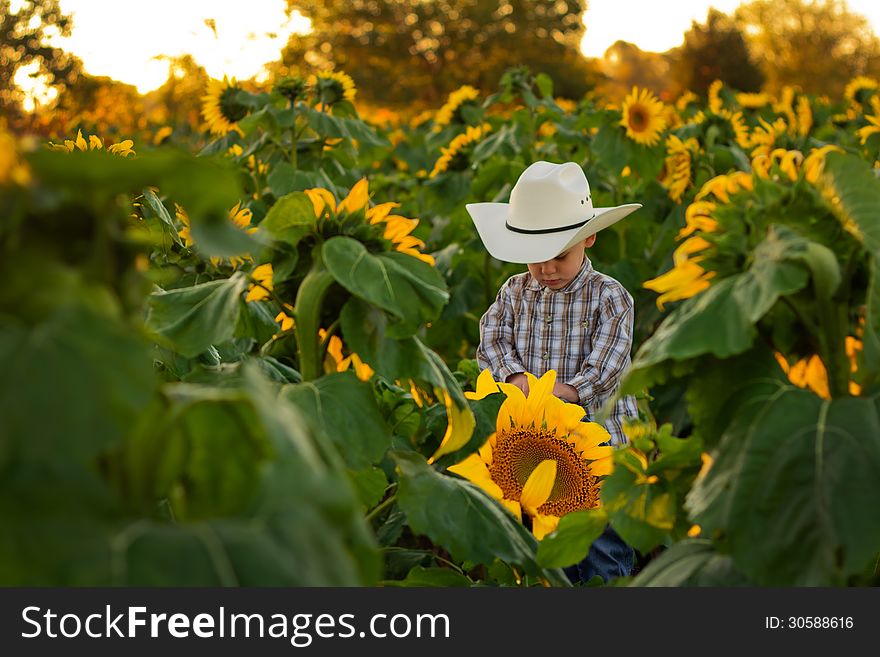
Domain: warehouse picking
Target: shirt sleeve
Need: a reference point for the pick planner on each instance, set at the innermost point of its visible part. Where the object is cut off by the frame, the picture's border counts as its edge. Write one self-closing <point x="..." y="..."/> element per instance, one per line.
<point x="497" y="349"/>
<point x="610" y="357"/>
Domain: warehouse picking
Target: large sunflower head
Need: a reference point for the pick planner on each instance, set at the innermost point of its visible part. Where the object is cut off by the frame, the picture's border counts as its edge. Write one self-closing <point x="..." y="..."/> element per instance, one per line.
<point x="330" y="87"/>
<point x="221" y="107"/>
<point x="377" y="225"/>
<point x="643" y="117"/>
<point x="677" y="176"/>
<point x="542" y="462"/>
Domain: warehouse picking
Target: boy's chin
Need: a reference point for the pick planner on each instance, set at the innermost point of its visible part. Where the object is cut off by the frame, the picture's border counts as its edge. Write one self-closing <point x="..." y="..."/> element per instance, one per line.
<point x="554" y="284"/>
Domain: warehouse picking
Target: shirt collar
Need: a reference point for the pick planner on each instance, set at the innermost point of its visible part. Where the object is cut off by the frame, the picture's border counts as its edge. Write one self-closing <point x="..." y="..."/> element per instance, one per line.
<point x="573" y="285"/>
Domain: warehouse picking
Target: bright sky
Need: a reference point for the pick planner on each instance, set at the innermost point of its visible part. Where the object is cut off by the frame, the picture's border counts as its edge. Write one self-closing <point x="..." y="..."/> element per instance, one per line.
<point x="122" y="39"/>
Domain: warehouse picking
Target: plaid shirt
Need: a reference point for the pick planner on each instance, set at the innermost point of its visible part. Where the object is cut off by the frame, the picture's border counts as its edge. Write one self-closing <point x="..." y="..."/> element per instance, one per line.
<point x="583" y="331"/>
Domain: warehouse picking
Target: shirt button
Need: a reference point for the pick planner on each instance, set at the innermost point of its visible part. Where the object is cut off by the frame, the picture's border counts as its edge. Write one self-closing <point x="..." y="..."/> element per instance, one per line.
<point x="585" y="324"/>
<point x="548" y="318"/>
<point x="545" y="356"/>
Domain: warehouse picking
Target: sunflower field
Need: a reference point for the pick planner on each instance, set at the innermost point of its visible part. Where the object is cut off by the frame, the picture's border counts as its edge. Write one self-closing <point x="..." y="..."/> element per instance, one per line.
<point x="246" y="357"/>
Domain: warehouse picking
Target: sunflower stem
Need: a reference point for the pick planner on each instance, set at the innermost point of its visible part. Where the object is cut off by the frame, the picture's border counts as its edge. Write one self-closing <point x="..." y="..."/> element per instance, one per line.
<point x="384" y="504"/>
<point x="309" y="299"/>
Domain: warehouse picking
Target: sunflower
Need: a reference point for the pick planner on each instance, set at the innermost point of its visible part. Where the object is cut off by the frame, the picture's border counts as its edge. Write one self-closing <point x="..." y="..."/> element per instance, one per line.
<point x="262" y="285"/>
<point x="452" y="109"/>
<point x="714" y="97"/>
<point x="764" y="136"/>
<point x="685" y="100"/>
<point x="221" y="107"/>
<point x="542" y="461"/>
<point x="395" y="229"/>
<point x="872" y="129"/>
<point x="336" y="362"/>
<point x="455" y="156"/>
<point x="95" y="143"/>
<point x="683" y="281"/>
<point x="332" y="86"/>
<point x="859" y="89"/>
<point x="789" y="163"/>
<point x="753" y="100"/>
<point x="724" y="185"/>
<point x="643" y="117"/>
<point x="698" y="216"/>
<point x="804" y="114"/>
<point x="807" y="373"/>
<point x="677" y="167"/>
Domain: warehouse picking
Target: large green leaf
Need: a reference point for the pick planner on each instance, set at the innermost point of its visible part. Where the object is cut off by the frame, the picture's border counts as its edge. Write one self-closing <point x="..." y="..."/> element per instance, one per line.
<point x="71" y="386"/>
<point x="572" y="539"/>
<point x="692" y="562"/>
<point x="194" y="318"/>
<point x="463" y="519"/>
<point x="858" y="190"/>
<point x="343" y="409"/>
<point x="290" y="219"/>
<point x="364" y="327"/>
<point x="789" y="475"/>
<point x="406" y="287"/>
<point x="720" y="321"/>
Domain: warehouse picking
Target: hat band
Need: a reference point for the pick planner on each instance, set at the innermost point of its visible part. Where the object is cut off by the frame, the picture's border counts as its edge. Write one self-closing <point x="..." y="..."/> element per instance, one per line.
<point x="538" y="231"/>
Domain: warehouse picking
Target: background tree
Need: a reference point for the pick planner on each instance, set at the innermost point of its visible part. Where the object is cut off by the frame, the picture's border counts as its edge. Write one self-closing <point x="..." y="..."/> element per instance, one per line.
<point x="405" y="51"/>
<point x="818" y="46"/>
<point x="715" y="50"/>
<point x="23" y="42"/>
<point x="626" y="65"/>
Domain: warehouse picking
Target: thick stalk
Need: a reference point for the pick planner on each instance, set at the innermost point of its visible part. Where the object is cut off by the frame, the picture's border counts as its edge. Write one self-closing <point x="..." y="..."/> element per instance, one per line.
<point x="309" y="298"/>
<point x="832" y="346"/>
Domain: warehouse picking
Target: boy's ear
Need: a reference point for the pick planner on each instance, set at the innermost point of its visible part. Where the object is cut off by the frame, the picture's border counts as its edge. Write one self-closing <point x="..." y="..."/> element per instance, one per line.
<point x="590" y="241"/>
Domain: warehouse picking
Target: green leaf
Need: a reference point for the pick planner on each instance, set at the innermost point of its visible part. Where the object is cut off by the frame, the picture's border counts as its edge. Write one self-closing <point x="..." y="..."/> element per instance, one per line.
<point x="290" y="219"/>
<point x="853" y="181"/>
<point x="431" y="577"/>
<point x="643" y="513"/>
<point x="71" y="386"/>
<point x="692" y="562"/>
<point x="785" y="477"/>
<point x="721" y="320"/>
<point x="194" y="318"/>
<point x="545" y="85"/>
<point x="344" y="410"/>
<point x="463" y="519"/>
<point x="156" y="205"/>
<point x="365" y="331"/>
<point x="369" y="484"/>
<point x="404" y="286"/>
<point x="571" y="541"/>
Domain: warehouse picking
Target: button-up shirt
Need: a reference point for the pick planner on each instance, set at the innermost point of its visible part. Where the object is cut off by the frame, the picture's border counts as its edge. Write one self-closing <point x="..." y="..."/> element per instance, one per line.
<point x="583" y="331"/>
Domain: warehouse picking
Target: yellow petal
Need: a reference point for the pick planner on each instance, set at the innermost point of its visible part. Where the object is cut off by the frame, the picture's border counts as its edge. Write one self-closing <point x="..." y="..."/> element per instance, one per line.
<point x="320" y="199"/>
<point x="543" y="525"/>
<point x="378" y="213"/>
<point x="486" y="386"/>
<point x="475" y="471"/>
<point x="513" y="408"/>
<point x="602" y="467"/>
<point x="95" y="142"/>
<point x="334" y="349"/>
<point x="538" y="486"/>
<point x="588" y="436"/>
<point x="564" y="417"/>
<point x="357" y="198"/>
<point x="485" y="451"/>
<point x="459" y="427"/>
<point x="596" y="453"/>
<point x="514" y="507"/>
<point x="80" y="142"/>
<point x="540" y="394"/>
<point x="361" y="369"/>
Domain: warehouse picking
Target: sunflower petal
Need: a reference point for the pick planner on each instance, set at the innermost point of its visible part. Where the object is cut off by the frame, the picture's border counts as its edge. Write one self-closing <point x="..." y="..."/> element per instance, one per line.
<point x="513" y="409"/>
<point x="538" y="486"/>
<point x="485" y="386"/>
<point x="513" y="506"/>
<point x="543" y="525"/>
<point x="475" y="471"/>
<point x="602" y="467"/>
<point x="357" y="198"/>
<point x="588" y="435"/>
<point x="459" y="427"/>
<point x="540" y="394"/>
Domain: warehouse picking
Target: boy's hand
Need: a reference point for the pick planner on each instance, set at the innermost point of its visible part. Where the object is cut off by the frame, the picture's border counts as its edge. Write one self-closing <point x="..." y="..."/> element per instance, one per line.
<point x="566" y="392"/>
<point x="520" y="381"/>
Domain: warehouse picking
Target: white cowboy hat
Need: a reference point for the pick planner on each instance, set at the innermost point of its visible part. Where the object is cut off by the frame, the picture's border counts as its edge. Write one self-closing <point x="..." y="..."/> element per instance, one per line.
<point x="550" y="209"/>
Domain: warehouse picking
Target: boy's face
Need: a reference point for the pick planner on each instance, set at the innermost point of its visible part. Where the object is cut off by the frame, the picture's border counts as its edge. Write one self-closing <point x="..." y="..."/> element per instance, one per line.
<point x="559" y="272"/>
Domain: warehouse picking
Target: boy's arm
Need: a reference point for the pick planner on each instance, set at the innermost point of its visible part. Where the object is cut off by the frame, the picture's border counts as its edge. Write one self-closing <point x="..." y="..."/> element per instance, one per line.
<point x="497" y="351"/>
<point x="612" y="342"/>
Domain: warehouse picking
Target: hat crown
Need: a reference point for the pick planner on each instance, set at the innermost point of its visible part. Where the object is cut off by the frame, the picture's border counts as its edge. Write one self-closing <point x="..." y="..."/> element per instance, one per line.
<point x="550" y="196"/>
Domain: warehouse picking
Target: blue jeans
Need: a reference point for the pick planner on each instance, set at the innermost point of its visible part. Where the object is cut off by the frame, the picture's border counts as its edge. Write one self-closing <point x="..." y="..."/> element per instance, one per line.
<point x="609" y="557"/>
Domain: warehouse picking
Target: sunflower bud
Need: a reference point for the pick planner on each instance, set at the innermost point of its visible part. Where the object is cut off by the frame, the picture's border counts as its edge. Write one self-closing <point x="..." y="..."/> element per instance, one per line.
<point x="291" y="88"/>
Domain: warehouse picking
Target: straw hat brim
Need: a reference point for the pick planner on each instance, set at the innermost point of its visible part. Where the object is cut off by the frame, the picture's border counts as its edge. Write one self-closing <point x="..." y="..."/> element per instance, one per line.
<point x="524" y="248"/>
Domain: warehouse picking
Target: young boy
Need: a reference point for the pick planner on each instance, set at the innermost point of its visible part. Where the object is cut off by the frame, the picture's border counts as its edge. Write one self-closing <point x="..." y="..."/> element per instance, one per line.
<point x="562" y="314"/>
